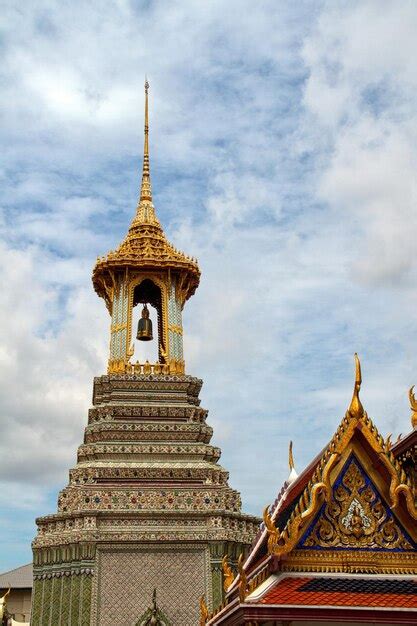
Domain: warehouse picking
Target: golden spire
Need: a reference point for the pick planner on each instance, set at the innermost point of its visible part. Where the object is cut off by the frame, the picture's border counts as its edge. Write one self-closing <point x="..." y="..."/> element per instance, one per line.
<point x="290" y="457"/>
<point x="293" y="473"/>
<point x="356" y="408"/>
<point x="145" y="189"/>
<point x="413" y="407"/>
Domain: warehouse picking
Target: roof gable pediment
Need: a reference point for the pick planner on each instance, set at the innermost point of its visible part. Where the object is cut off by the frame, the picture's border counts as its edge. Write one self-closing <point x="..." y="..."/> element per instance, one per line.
<point x="356" y="517"/>
<point x="381" y="504"/>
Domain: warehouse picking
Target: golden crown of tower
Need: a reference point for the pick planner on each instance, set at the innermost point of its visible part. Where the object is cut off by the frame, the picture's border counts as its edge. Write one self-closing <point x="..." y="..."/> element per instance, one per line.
<point x="146" y="269"/>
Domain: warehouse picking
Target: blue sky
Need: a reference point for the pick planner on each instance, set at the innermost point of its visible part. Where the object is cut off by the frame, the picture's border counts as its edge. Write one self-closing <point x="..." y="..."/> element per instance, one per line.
<point x="283" y="156"/>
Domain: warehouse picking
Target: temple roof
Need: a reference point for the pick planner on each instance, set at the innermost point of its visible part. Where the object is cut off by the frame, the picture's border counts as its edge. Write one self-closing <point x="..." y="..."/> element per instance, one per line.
<point x="358" y="591"/>
<point x="19" y="578"/>
<point x="351" y="510"/>
<point x="327" y="598"/>
<point x="355" y="423"/>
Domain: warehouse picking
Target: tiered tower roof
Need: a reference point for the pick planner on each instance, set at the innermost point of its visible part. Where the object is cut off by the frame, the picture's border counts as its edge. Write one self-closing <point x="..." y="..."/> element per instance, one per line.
<point x="145" y="245"/>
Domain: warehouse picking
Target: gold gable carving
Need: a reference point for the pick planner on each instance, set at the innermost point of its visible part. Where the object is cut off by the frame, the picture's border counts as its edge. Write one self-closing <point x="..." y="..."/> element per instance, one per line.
<point x="355" y="423"/>
<point x="355" y="517"/>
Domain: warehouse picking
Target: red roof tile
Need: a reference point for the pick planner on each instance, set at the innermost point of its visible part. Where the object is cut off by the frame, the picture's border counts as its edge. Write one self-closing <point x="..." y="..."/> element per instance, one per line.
<point x="311" y="591"/>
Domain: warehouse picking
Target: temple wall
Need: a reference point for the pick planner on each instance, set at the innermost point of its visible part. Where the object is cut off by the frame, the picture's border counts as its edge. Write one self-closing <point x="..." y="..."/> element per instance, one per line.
<point x="62" y="600"/>
<point x="127" y="577"/>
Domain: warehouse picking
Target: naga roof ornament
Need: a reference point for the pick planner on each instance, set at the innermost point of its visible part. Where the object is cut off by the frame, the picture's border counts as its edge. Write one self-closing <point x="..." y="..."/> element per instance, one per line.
<point x="413" y="406"/>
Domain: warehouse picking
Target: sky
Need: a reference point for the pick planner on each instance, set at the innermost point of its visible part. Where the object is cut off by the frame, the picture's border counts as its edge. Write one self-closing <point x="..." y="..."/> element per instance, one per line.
<point x="283" y="156"/>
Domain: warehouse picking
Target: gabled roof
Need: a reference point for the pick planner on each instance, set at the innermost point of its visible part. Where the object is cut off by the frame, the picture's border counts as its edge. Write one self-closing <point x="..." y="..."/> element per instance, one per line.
<point x="342" y="591"/>
<point x="356" y="423"/>
<point x="19" y="578"/>
<point x="378" y="497"/>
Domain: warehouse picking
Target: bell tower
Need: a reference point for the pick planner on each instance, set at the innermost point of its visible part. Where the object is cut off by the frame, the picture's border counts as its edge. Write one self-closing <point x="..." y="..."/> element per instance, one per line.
<point x="146" y="270"/>
<point x="147" y="506"/>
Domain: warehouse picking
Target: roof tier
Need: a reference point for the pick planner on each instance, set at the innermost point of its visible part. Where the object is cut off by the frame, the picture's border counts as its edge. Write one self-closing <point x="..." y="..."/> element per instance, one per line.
<point x="146" y="247"/>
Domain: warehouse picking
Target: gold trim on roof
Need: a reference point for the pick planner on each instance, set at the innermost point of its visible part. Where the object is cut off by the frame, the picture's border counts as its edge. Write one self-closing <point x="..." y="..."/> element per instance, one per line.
<point x="318" y="490"/>
<point x="350" y="561"/>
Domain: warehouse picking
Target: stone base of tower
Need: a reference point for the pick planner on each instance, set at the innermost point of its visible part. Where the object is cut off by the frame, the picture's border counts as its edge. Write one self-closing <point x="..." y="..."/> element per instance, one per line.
<point x="147" y="506"/>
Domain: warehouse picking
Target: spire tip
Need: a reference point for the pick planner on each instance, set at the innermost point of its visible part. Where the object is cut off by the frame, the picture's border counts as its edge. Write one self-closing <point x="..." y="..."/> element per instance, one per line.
<point x="293" y="473"/>
<point x="356" y="408"/>
<point x="145" y="190"/>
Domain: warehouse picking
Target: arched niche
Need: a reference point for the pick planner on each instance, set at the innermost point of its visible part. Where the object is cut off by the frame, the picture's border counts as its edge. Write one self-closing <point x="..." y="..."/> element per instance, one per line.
<point x="148" y="290"/>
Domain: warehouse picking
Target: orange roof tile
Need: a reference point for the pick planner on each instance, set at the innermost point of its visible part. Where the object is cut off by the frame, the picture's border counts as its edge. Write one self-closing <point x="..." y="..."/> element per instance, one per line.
<point x="347" y="592"/>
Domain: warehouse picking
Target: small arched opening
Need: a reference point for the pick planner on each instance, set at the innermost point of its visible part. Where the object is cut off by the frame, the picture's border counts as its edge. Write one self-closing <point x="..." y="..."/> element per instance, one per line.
<point x="149" y="294"/>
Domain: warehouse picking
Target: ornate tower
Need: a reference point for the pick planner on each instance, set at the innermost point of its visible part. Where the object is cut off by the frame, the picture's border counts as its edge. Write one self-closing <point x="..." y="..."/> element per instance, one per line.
<point x="146" y="268"/>
<point x="147" y="505"/>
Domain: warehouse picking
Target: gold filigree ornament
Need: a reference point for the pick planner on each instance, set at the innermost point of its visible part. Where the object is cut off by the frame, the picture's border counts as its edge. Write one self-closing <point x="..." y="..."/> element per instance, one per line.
<point x="273" y="531"/>
<point x="204" y="612"/>
<point x="356" y="518"/>
<point x="228" y="576"/>
<point x="280" y="543"/>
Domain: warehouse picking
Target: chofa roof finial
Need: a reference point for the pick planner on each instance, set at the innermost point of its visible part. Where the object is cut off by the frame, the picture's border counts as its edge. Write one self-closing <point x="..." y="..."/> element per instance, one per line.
<point x="413" y="407"/>
<point x="293" y="474"/>
<point x="356" y="409"/>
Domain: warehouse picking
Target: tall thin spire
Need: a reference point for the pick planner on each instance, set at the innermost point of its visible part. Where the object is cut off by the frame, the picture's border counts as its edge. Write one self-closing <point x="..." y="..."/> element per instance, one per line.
<point x="145" y="189"/>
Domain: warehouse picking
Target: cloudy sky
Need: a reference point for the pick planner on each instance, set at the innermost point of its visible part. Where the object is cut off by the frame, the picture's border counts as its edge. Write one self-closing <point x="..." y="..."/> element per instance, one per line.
<point x="283" y="156"/>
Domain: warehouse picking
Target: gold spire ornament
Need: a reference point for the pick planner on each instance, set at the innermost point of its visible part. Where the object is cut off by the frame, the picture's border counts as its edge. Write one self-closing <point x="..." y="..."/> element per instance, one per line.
<point x="413" y="407"/>
<point x="145" y="189"/>
<point x="356" y="409"/>
<point x="293" y="473"/>
<point x="290" y="457"/>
